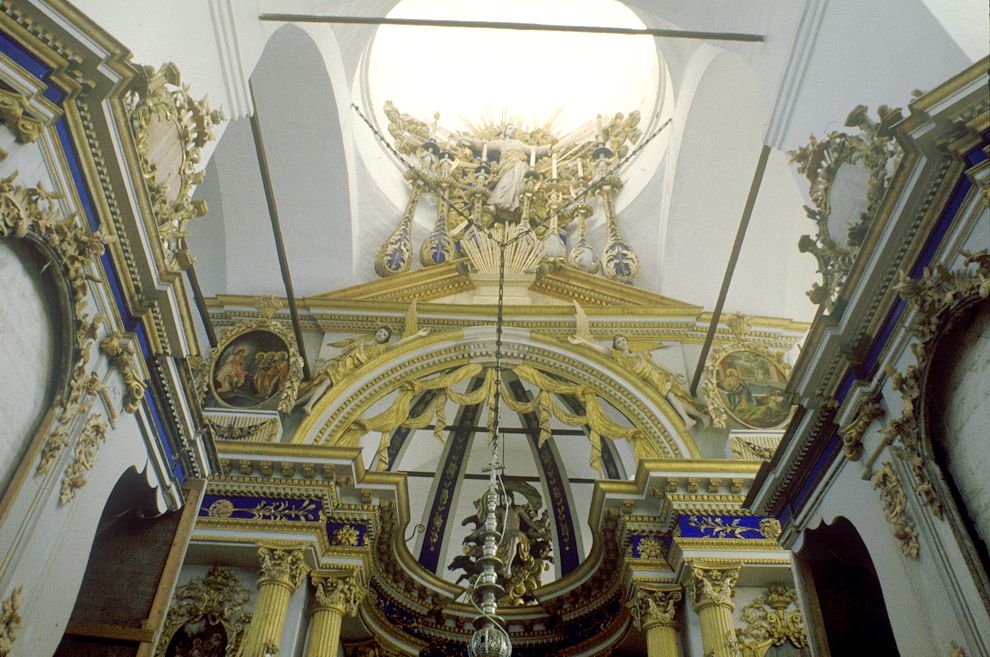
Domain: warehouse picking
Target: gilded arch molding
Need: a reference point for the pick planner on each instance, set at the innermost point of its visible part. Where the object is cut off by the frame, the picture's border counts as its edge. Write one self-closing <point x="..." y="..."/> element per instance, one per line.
<point x="643" y="407"/>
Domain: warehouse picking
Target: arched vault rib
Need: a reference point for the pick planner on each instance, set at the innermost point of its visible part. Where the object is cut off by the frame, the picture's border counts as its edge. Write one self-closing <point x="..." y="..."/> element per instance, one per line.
<point x="664" y="435"/>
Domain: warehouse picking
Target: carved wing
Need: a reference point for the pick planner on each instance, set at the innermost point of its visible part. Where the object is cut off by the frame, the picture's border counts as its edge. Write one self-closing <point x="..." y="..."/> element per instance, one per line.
<point x="409" y="132"/>
<point x="581" y="328"/>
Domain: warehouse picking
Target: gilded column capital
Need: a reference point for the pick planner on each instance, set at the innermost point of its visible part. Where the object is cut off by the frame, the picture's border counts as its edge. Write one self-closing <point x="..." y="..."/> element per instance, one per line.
<point x="713" y="583"/>
<point x="652" y="607"/>
<point x="341" y="592"/>
<point x="282" y="564"/>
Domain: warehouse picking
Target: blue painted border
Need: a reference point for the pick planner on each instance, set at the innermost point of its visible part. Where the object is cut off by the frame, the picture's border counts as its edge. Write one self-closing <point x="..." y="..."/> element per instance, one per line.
<point x="13" y="49"/>
<point x="866" y="369"/>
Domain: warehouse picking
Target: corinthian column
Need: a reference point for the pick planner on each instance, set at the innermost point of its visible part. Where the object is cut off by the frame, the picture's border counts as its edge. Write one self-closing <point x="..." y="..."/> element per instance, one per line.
<point x="333" y="596"/>
<point x="653" y="613"/>
<point x="712" y="587"/>
<point x="282" y="570"/>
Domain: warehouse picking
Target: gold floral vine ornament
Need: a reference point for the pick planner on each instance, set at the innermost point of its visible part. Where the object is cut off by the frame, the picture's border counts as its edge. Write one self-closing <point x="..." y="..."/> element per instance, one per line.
<point x="215" y="601"/>
<point x="934" y="297"/>
<point x="772" y="619"/>
<point x="170" y="131"/>
<point x="91" y="438"/>
<point x="894" y="503"/>
<point x="31" y="213"/>
<point x="831" y="167"/>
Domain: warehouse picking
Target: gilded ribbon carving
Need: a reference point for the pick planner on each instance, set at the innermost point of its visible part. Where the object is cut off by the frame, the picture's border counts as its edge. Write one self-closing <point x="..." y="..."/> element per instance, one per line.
<point x="650" y="607"/>
<point x="894" y="503"/>
<point x="283" y="565"/>
<point x="713" y="584"/>
<point x="772" y="619"/>
<point x="342" y="593"/>
<point x="10" y="621"/>
<point x="218" y="598"/>
<point x="92" y="437"/>
<point x="121" y="353"/>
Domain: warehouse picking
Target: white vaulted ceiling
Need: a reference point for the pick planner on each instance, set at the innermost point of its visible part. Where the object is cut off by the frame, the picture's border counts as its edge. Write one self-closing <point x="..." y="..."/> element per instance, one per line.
<point x="339" y="193"/>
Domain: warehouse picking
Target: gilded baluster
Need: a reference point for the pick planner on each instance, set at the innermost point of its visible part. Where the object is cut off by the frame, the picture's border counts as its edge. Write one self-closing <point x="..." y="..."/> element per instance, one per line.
<point x="438" y="247"/>
<point x="619" y="261"/>
<point x="583" y="256"/>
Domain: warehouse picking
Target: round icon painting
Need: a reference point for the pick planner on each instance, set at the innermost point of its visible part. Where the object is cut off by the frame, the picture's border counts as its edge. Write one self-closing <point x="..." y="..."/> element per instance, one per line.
<point x="751" y="387"/>
<point x="252" y="369"/>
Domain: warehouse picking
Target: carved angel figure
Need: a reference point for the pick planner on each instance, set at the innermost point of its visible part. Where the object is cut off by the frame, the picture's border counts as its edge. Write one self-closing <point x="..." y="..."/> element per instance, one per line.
<point x="641" y="364"/>
<point x="513" y="157"/>
<point x="356" y="352"/>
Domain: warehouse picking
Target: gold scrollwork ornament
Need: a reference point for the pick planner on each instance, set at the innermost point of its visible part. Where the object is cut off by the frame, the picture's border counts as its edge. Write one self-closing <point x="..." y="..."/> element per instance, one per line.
<point x="831" y="167"/>
<point x="772" y="619"/>
<point x="121" y="353"/>
<point x="218" y="598"/>
<point x="170" y="130"/>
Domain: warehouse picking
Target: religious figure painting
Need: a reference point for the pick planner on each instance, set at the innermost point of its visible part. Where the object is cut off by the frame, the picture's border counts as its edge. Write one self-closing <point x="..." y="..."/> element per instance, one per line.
<point x="198" y="638"/>
<point x="751" y="387"/>
<point x="252" y="369"/>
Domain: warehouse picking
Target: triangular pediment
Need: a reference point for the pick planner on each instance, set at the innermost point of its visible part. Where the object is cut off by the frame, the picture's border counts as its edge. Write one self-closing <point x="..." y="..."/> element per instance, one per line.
<point x="451" y="284"/>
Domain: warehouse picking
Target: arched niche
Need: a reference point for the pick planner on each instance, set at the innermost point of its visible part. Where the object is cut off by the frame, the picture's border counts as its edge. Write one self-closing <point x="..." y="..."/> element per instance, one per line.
<point x="36" y="320"/>
<point x="955" y="416"/>
<point x="301" y="127"/>
<point x="844" y="591"/>
<point x="630" y="396"/>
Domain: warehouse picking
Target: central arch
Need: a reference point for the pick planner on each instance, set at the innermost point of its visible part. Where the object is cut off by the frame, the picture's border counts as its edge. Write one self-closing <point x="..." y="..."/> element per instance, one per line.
<point x="640" y="405"/>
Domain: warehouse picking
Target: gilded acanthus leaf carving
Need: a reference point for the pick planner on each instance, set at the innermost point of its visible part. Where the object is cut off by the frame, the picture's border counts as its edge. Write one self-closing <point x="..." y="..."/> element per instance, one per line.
<point x="341" y="592"/>
<point x="121" y="352"/>
<point x="650" y="607"/>
<point x="10" y="621"/>
<point x="894" y="503"/>
<point x="13" y="114"/>
<point x="93" y="435"/>
<point x="852" y="433"/>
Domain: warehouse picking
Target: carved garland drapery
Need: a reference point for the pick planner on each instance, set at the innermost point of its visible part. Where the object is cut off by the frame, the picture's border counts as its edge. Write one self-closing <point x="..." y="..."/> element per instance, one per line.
<point x="544" y="405"/>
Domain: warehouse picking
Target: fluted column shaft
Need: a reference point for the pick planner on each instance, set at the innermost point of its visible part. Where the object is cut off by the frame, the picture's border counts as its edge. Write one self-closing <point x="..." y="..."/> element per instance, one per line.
<point x="654" y="613"/>
<point x="713" y="587"/>
<point x="333" y="596"/>
<point x="282" y="570"/>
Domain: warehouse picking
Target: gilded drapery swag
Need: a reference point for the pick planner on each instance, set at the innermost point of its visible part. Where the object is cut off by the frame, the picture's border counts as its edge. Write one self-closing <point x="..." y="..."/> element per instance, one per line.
<point x="544" y="404"/>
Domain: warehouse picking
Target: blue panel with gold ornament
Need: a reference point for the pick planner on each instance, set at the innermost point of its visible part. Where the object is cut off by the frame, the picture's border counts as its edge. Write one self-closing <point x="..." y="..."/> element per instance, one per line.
<point x="650" y="546"/>
<point x="240" y="507"/>
<point x="721" y="527"/>
<point x="346" y="534"/>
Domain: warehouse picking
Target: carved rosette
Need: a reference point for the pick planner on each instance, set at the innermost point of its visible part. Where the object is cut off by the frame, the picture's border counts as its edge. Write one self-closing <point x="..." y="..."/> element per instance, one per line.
<point x="340" y="592"/>
<point x="219" y="597"/>
<point x="713" y="584"/>
<point x="282" y="565"/>
<point x="836" y="246"/>
<point x="649" y="608"/>
<point x="934" y="297"/>
<point x="170" y="131"/>
<point x="10" y="621"/>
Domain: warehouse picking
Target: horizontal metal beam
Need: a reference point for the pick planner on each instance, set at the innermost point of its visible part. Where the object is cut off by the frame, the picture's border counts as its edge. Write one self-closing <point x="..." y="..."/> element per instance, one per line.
<point x="499" y="25"/>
